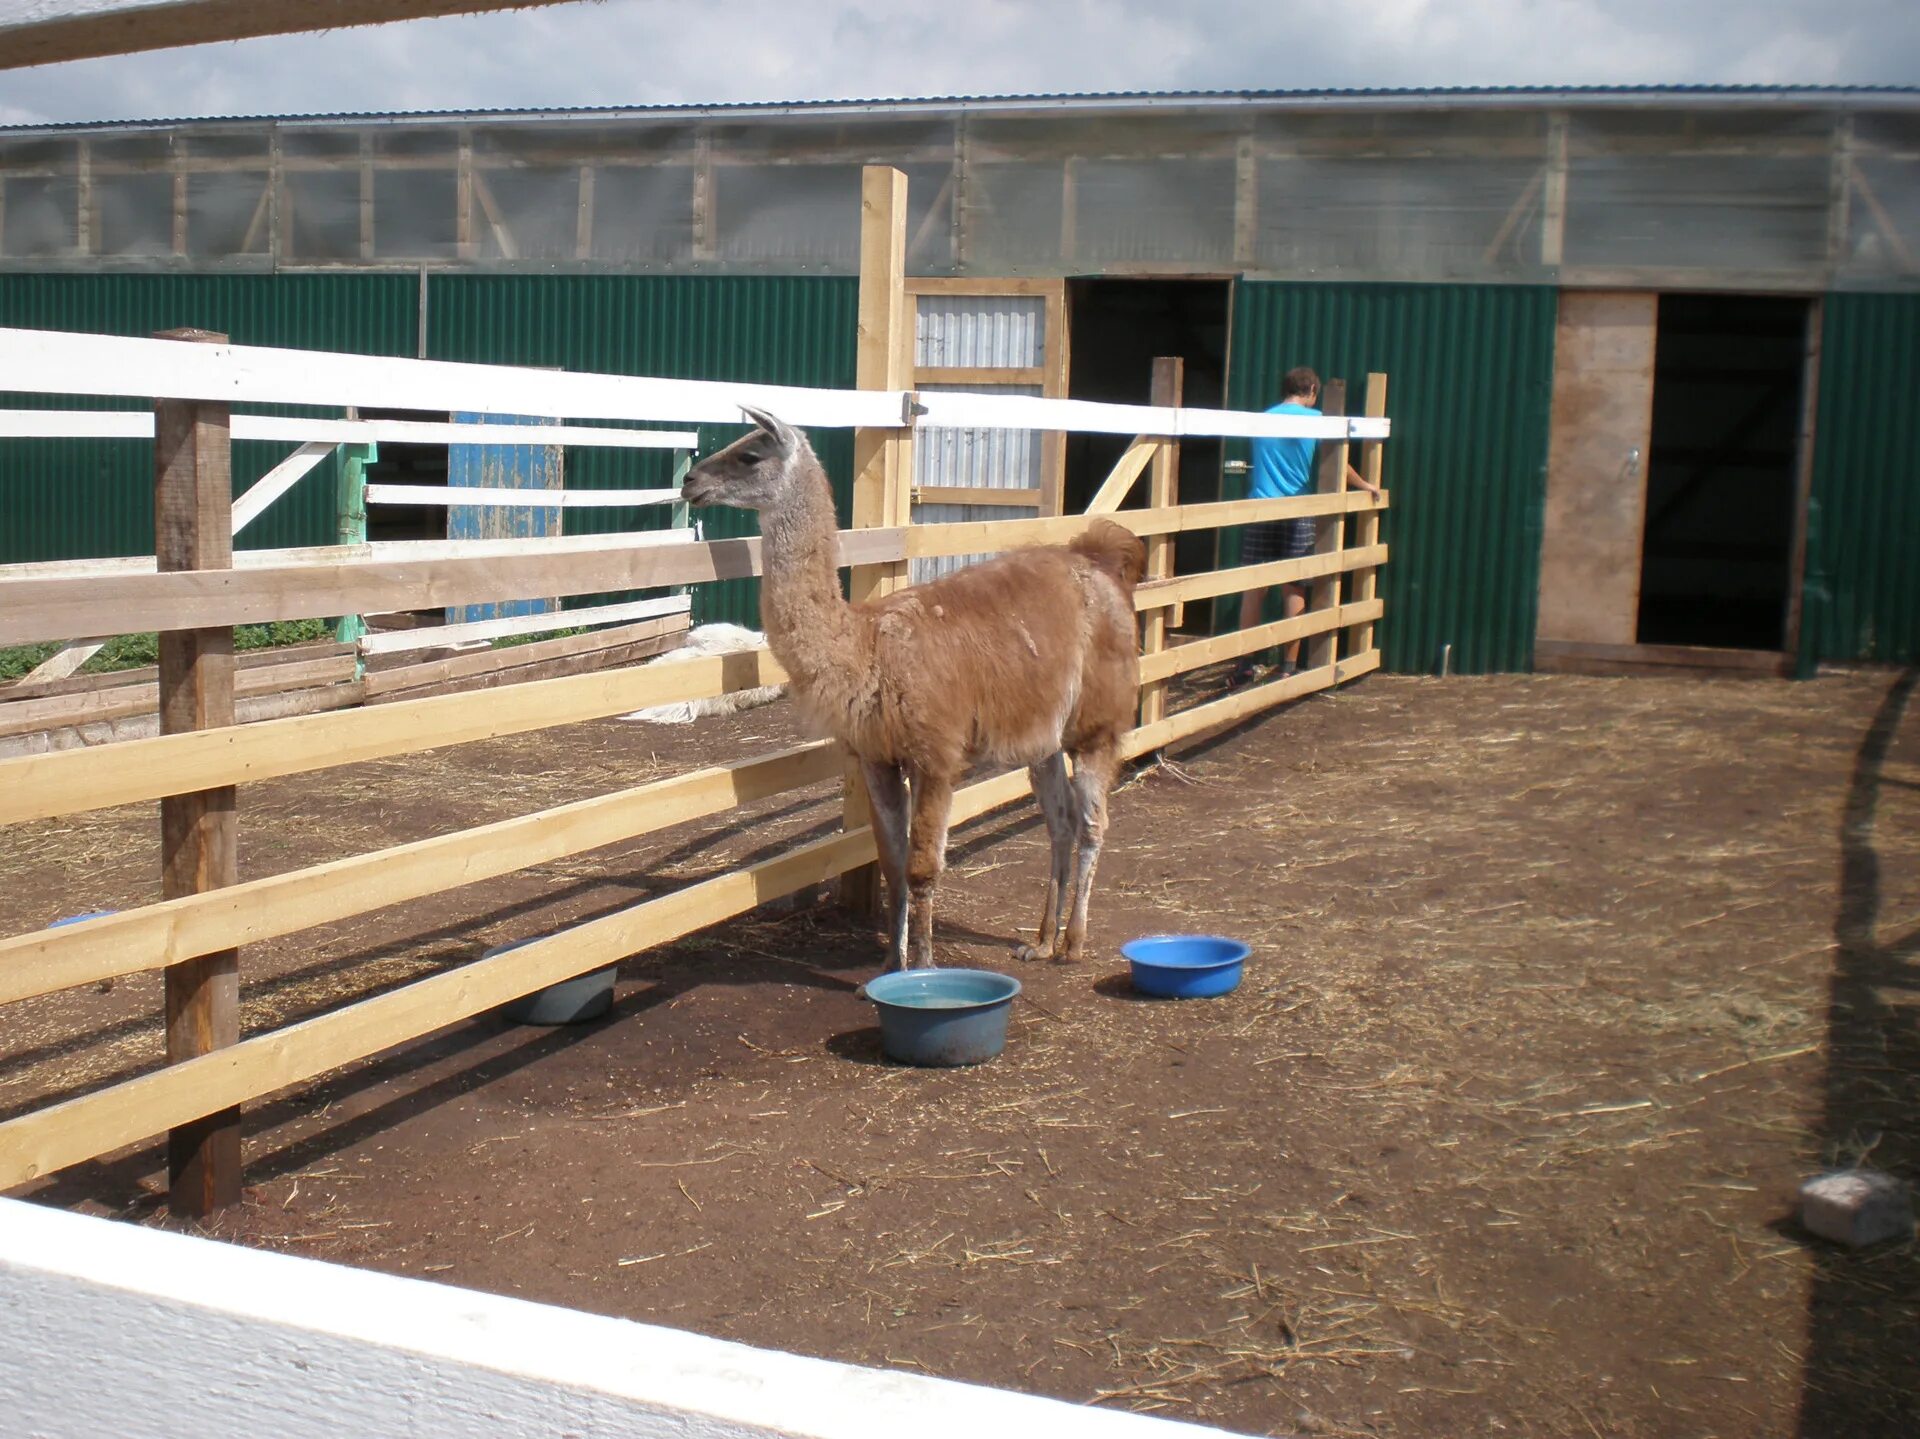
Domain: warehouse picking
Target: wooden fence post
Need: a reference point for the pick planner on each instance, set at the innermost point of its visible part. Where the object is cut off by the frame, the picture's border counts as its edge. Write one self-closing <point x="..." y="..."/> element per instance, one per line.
<point x="882" y="458"/>
<point x="1366" y="523"/>
<point x="1169" y="382"/>
<point x="1332" y="480"/>
<point x="193" y="530"/>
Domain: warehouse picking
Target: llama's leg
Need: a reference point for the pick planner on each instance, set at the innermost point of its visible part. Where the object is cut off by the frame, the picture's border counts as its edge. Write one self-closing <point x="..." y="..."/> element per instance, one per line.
<point x="887" y="801"/>
<point x="1054" y="790"/>
<point x="1093" y="772"/>
<point x="926" y="858"/>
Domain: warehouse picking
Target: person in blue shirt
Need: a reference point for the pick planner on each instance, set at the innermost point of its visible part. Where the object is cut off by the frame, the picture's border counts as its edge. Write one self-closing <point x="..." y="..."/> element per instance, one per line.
<point x="1283" y="467"/>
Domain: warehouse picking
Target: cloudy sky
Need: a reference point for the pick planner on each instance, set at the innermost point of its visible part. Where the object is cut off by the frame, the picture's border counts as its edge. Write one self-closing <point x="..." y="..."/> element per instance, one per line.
<point x="618" y="52"/>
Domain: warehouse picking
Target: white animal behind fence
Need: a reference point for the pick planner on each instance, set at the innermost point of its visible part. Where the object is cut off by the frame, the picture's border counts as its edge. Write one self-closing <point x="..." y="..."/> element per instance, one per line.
<point x="704" y="641"/>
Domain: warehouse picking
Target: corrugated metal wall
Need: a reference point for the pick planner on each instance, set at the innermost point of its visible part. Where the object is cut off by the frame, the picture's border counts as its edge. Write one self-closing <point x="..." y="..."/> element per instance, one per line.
<point x="1861" y="599"/>
<point x="772" y="330"/>
<point x="76" y="499"/>
<point x="1470" y="388"/>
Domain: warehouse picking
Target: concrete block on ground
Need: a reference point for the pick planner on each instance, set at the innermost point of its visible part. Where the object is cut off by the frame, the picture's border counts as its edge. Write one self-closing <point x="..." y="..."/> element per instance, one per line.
<point x="1857" y="1207"/>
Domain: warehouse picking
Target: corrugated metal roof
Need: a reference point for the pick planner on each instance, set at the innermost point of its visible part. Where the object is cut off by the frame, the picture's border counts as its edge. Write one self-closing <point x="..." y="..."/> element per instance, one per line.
<point x="1505" y="96"/>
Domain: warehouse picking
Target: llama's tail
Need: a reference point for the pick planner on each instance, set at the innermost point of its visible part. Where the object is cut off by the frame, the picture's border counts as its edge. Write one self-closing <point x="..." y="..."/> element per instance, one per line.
<point x="1114" y="549"/>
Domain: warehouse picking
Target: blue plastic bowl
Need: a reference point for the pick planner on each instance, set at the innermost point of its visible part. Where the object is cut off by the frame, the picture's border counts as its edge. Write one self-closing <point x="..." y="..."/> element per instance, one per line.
<point x="1185" y="966"/>
<point x="941" y="1017"/>
<point x="66" y="920"/>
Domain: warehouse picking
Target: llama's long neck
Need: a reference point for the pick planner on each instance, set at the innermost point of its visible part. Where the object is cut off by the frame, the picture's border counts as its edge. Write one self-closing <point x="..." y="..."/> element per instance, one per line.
<point x="810" y="627"/>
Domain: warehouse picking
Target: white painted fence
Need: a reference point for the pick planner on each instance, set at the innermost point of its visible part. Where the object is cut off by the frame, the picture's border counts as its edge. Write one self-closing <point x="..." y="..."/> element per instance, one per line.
<point x="108" y="1328"/>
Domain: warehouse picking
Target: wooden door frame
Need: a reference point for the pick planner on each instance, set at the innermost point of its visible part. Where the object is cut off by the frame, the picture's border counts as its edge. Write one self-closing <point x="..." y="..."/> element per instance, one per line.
<point x="1057" y="350"/>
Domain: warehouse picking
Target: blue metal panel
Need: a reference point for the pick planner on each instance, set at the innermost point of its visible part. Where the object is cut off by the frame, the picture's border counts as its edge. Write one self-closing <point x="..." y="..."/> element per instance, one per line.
<point x="502" y="467"/>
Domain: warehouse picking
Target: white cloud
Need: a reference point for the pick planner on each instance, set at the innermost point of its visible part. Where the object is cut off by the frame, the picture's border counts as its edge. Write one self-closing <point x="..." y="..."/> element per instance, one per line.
<point x="672" y="52"/>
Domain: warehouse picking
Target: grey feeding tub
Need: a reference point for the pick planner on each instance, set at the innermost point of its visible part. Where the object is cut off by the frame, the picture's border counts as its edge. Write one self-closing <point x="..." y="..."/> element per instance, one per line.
<point x="571" y="1001"/>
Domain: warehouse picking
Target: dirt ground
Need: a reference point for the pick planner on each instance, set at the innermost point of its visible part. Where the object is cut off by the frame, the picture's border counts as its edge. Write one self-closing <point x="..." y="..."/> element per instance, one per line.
<point x="1559" y="988"/>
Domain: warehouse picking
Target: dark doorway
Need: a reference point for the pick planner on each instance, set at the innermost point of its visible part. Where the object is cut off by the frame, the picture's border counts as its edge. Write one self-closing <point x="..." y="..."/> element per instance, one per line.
<point x="1716" y="561"/>
<point x="407" y="464"/>
<point x="1118" y="328"/>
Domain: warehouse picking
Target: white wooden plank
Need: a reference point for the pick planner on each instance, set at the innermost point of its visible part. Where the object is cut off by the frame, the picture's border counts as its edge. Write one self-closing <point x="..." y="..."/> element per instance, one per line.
<point x="489" y="498"/>
<point x="131" y="1324"/>
<point x="277" y="481"/>
<point x="138" y="425"/>
<point x="50" y="362"/>
<point x="399" y="641"/>
<point x="953" y="409"/>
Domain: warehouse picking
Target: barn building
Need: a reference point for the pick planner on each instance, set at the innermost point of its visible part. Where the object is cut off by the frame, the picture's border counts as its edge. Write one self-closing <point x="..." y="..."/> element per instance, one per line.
<point x="1654" y="354"/>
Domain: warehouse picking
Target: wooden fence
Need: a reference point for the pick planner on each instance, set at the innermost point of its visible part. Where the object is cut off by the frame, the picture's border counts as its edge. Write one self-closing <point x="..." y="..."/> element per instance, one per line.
<point x="194" y="593"/>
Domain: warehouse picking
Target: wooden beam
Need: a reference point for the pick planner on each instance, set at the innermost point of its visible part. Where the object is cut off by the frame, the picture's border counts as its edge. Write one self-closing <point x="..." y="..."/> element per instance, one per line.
<point x="119" y="597"/>
<point x="1246" y="203"/>
<point x="583" y="216"/>
<point x="156" y="935"/>
<point x="1329" y="530"/>
<point x="651" y="635"/>
<point x="1181" y="659"/>
<point x="45" y="785"/>
<point x="1128" y="468"/>
<point x="882" y="458"/>
<point x="980" y="375"/>
<point x="1553" y="218"/>
<point x="1057" y="358"/>
<point x="1366" y="523"/>
<point x="976" y="495"/>
<point x="979" y="537"/>
<point x="199" y="831"/>
<point x="26" y="716"/>
<point x="51" y="35"/>
<point x="429" y="637"/>
<point x="1252" y="577"/>
<point x="1244" y="705"/>
<point x="1169" y="381"/>
<point x="182" y="148"/>
<point x="366" y="195"/>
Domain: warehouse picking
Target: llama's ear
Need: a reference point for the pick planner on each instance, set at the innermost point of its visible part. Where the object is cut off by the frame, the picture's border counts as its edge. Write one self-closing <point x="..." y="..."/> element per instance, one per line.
<point x="783" y="434"/>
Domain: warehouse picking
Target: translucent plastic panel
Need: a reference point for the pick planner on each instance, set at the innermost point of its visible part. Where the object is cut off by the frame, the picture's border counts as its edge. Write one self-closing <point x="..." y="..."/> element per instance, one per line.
<point x="227" y="214"/>
<point x="42" y="218"/>
<point x="538" y="213"/>
<point x="1381" y="218"/>
<point x="415" y="214"/>
<point x="133" y="214"/>
<point x="320" y="215"/>
<point x="643" y="214"/>
<point x="1175" y="211"/>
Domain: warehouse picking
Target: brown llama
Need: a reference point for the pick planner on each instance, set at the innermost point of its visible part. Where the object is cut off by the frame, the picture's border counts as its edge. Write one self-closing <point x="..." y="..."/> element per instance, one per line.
<point x="1022" y="659"/>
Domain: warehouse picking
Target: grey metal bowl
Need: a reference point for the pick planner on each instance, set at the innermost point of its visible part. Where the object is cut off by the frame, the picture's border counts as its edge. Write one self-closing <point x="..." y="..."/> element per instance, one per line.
<point x="571" y="1001"/>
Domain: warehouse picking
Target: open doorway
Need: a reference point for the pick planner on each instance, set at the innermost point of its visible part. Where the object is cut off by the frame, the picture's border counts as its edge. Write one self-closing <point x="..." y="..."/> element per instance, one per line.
<point x="1119" y="327"/>
<point x="1716" y="558"/>
<point x="407" y="464"/>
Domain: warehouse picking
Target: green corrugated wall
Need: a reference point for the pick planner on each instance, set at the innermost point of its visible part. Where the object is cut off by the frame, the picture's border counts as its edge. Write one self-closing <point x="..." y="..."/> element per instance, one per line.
<point x="1470" y="390"/>
<point x="770" y="330"/>
<point x="78" y="499"/>
<point x="1861" y="598"/>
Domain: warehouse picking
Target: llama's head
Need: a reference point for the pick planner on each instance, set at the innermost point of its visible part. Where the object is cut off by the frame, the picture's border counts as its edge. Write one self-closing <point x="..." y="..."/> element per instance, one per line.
<point x="755" y="472"/>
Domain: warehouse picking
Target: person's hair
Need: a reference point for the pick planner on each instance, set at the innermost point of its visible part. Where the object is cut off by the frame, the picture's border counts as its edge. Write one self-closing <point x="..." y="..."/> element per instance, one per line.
<point x="1300" y="380"/>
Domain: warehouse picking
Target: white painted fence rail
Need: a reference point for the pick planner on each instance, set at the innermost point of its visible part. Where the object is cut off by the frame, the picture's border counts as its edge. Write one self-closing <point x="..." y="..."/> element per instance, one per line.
<point x="501" y="499"/>
<point x="51" y="362"/>
<point x="387" y="642"/>
<point x="138" y="425"/>
<point x="109" y="1328"/>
